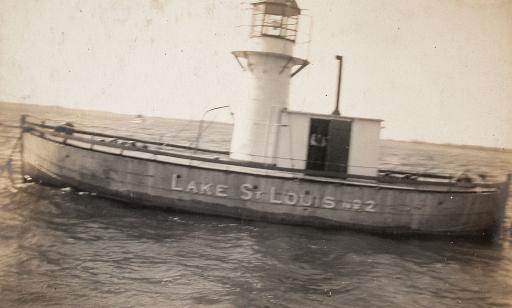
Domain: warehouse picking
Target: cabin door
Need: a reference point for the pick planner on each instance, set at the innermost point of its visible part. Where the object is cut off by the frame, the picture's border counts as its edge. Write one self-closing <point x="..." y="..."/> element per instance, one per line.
<point x="317" y="144"/>
<point x="338" y="146"/>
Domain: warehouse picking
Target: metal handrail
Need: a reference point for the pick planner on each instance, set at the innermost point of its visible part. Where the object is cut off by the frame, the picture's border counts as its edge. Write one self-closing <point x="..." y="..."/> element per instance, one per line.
<point x="103" y="135"/>
<point x="327" y="174"/>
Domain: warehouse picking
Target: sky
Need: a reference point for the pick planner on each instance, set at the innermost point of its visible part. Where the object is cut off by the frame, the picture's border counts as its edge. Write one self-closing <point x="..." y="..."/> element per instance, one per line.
<point x="434" y="70"/>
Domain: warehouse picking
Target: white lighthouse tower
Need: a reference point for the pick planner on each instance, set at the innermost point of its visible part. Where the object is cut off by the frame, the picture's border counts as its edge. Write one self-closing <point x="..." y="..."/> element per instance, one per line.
<point x="268" y="64"/>
<point x="267" y="131"/>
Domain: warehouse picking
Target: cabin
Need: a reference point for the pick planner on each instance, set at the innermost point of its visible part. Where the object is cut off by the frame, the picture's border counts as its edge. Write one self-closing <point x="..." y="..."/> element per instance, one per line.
<point x="346" y="145"/>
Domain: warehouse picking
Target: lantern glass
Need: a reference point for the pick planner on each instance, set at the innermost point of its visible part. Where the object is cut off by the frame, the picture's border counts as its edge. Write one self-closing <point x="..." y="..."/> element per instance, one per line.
<point x="275" y="20"/>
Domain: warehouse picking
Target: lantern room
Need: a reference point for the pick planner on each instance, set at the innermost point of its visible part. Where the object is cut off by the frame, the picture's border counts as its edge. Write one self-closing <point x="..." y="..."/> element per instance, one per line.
<point x="275" y="18"/>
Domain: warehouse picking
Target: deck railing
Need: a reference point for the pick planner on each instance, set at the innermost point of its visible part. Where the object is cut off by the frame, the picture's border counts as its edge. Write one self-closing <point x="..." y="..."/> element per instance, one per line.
<point x="124" y="145"/>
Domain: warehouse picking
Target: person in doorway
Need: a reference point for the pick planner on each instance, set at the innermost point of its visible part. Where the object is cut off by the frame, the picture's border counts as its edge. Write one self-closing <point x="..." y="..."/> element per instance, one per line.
<point x="317" y="147"/>
<point x="318" y="139"/>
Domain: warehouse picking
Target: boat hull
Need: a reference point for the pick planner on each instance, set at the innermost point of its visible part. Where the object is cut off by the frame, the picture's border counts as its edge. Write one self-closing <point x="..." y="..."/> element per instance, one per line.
<point x="261" y="196"/>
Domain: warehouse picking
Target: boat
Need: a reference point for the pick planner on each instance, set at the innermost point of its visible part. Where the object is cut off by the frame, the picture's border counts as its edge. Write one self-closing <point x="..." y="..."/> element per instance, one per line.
<point x="283" y="166"/>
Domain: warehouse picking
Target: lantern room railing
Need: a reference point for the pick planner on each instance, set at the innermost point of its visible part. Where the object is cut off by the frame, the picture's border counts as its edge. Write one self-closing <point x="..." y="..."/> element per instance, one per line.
<point x="275" y="20"/>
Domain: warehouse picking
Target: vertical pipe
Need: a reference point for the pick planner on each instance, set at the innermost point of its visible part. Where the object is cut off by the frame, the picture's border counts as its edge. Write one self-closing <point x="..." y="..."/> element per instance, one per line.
<point x="337" y="109"/>
<point x="278" y="130"/>
<point x="23" y="120"/>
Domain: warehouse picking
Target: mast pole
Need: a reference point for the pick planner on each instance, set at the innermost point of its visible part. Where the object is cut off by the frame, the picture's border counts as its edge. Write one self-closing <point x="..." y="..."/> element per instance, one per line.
<point x="337" y="108"/>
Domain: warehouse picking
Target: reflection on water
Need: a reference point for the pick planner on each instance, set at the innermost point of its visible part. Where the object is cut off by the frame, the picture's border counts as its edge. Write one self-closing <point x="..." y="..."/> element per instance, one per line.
<point x="62" y="248"/>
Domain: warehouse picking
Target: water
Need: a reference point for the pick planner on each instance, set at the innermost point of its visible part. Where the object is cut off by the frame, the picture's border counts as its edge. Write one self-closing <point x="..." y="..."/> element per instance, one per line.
<point x="62" y="248"/>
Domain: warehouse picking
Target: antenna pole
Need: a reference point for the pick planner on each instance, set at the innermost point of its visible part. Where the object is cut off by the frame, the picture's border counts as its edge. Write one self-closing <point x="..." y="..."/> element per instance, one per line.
<point x="337" y="109"/>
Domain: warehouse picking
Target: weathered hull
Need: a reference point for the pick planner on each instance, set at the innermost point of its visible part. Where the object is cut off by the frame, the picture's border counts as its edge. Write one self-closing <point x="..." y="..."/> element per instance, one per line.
<point x="276" y="197"/>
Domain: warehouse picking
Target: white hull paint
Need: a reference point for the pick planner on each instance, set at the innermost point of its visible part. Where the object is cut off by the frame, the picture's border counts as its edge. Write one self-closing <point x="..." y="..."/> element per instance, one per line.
<point x="252" y="193"/>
